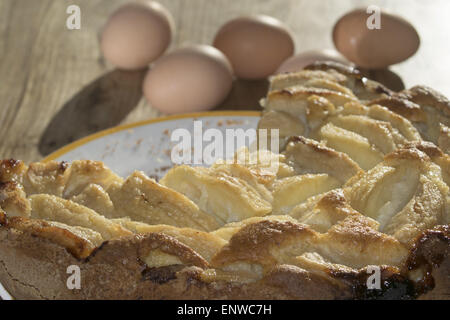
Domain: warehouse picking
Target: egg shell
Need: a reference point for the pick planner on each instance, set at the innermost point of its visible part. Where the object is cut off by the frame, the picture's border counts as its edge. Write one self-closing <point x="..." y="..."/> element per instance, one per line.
<point x="193" y="78"/>
<point x="255" y="45"/>
<point x="303" y="59"/>
<point x="137" y="34"/>
<point x="395" y="41"/>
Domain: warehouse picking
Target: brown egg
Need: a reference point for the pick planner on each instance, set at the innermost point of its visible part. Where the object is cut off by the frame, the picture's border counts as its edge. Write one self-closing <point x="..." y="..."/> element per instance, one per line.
<point x="301" y="60"/>
<point x="255" y="45"/>
<point x="136" y="34"/>
<point x="194" y="78"/>
<point x="395" y="41"/>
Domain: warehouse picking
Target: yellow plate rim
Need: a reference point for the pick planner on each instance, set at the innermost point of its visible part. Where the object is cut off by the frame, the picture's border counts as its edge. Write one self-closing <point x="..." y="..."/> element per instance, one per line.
<point x="78" y="143"/>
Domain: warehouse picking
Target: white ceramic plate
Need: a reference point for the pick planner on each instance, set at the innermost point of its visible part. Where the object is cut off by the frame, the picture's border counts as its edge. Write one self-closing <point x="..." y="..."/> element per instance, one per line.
<point x="146" y="145"/>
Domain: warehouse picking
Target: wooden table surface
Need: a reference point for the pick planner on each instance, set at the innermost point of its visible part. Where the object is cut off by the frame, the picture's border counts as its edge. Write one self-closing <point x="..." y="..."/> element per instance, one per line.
<point x="55" y="86"/>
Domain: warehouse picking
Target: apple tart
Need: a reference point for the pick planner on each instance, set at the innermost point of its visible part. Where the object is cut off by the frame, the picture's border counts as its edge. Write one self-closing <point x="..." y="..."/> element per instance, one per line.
<point x="359" y="192"/>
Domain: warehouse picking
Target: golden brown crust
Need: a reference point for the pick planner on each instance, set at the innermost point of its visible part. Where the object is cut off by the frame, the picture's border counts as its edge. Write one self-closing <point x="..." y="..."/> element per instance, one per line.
<point x="426" y="108"/>
<point x="428" y="148"/>
<point x="11" y="170"/>
<point x="46" y="279"/>
<point x="403" y="107"/>
<point x="302" y="93"/>
<point x="425" y="96"/>
<point x="170" y="246"/>
<point x="132" y="280"/>
<point x="79" y="247"/>
<point x="254" y="242"/>
<point x="285" y="80"/>
<point x="430" y="255"/>
<point x="362" y="87"/>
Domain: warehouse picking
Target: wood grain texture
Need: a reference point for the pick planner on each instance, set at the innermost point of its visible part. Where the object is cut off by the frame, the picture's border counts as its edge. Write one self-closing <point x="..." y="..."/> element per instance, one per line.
<point x="56" y="87"/>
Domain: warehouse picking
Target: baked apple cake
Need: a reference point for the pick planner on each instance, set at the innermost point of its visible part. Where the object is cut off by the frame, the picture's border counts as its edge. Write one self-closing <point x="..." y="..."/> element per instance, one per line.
<point x="361" y="188"/>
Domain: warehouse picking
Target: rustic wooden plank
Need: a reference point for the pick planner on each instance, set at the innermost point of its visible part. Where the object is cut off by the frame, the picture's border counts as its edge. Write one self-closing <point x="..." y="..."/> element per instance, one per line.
<point x="55" y="86"/>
